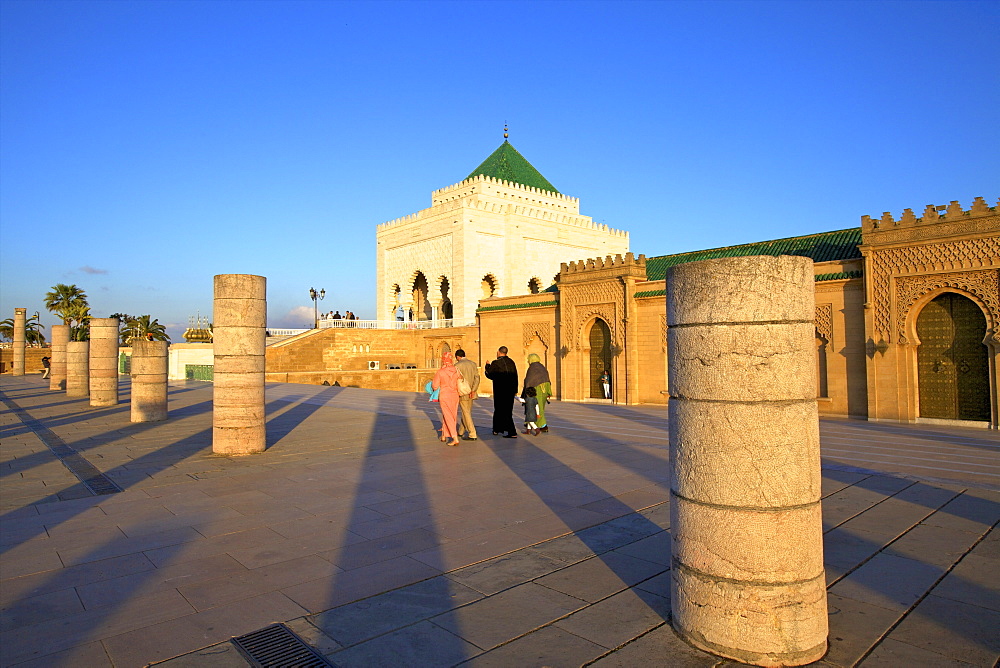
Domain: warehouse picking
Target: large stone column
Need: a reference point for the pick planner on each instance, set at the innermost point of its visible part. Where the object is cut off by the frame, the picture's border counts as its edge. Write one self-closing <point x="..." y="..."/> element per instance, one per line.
<point x="240" y="318"/>
<point x="20" y="317"/>
<point x="149" y="381"/>
<point x="748" y="580"/>
<point x="78" y="369"/>
<point x="57" y="361"/>
<point x="103" y="361"/>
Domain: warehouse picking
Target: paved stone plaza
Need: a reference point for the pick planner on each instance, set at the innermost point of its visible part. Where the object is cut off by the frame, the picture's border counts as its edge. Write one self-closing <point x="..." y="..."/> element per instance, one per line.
<point x="381" y="547"/>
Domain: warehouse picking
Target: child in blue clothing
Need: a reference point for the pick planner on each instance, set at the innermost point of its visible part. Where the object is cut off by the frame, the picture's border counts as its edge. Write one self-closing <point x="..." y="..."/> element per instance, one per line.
<point x="530" y="400"/>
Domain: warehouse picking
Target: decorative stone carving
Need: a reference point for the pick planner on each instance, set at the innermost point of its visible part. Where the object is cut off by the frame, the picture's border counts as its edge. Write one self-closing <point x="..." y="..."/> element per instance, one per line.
<point x="543" y="330"/>
<point x="930" y="258"/>
<point x="983" y="284"/>
<point x="824" y="322"/>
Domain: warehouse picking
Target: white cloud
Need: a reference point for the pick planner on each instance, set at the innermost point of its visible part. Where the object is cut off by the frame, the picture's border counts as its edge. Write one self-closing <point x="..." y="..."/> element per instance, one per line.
<point x="297" y="318"/>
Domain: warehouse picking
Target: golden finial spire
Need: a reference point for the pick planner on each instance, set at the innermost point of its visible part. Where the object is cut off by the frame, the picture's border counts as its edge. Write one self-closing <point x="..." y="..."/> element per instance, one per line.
<point x="505" y="129"/>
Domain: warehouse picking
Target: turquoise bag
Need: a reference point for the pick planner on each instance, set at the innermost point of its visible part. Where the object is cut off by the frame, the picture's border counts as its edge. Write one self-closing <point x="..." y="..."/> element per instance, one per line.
<point x="429" y="389"/>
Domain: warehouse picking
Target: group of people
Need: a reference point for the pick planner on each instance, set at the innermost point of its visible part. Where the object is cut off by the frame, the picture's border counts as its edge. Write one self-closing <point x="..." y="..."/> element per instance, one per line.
<point x="335" y="315"/>
<point x="457" y="382"/>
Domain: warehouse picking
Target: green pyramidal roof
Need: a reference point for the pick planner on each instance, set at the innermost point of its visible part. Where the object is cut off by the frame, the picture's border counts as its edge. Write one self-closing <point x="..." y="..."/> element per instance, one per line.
<point x="507" y="164"/>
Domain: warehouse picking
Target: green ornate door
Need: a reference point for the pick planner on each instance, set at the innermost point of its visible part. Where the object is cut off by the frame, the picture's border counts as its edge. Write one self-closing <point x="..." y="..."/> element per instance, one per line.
<point x="600" y="356"/>
<point x="952" y="363"/>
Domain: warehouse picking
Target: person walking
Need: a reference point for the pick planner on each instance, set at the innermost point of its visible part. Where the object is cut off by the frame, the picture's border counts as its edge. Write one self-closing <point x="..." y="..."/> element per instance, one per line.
<point x="470" y="372"/>
<point x="503" y="372"/>
<point x="46" y="366"/>
<point x="606" y="383"/>
<point x="446" y="381"/>
<point x="537" y="376"/>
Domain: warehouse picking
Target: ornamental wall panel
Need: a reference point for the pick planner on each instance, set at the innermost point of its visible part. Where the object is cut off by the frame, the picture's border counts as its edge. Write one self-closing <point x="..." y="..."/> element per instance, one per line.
<point x="886" y="266"/>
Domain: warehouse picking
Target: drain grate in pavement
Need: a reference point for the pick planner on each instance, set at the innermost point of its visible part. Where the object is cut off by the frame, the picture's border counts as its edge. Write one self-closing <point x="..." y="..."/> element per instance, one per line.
<point x="275" y="646"/>
<point x="98" y="483"/>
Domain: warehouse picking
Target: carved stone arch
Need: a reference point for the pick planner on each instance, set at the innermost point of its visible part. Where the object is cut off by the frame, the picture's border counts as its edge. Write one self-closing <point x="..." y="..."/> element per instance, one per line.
<point x="586" y="320"/>
<point x="542" y="330"/>
<point x="441" y="289"/>
<point x="914" y="292"/>
<point x="535" y="285"/>
<point x="490" y="279"/>
<point x="414" y="275"/>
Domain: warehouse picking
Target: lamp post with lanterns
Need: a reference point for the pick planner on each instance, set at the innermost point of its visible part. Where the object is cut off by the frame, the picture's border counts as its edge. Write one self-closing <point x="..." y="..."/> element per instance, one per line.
<point x="316" y="296"/>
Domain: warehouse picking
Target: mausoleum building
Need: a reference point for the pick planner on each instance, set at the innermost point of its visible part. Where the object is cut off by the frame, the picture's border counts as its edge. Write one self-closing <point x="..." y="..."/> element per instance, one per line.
<point x="501" y="231"/>
<point x="907" y="310"/>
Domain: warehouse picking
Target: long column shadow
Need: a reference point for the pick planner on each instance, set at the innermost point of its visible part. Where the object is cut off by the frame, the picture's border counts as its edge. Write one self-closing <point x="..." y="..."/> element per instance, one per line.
<point x="383" y="596"/>
<point x="874" y="483"/>
<point x="22" y="642"/>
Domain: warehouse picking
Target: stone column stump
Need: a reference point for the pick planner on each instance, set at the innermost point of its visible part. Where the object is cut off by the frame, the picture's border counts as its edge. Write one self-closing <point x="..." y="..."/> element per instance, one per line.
<point x="78" y="369"/>
<point x="149" y="381"/>
<point x="239" y="336"/>
<point x="20" y="338"/>
<point x="748" y="580"/>
<point x="57" y="361"/>
<point x="104" y="361"/>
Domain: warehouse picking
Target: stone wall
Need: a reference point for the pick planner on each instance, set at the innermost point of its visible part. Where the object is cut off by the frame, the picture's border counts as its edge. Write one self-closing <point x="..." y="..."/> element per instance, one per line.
<point x="353" y="349"/>
<point x="399" y="380"/>
<point x="32" y="359"/>
<point x="840" y="340"/>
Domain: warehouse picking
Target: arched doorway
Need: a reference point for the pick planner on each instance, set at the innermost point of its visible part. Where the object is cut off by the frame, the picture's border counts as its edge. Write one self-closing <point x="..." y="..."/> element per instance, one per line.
<point x="952" y="362"/>
<point x="446" y="311"/>
<point x="600" y="356"/>
<point x="421" y="305"/>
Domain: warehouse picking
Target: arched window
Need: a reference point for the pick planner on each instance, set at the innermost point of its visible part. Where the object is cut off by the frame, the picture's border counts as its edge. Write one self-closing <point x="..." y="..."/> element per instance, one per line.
<point x="489" y="286"/>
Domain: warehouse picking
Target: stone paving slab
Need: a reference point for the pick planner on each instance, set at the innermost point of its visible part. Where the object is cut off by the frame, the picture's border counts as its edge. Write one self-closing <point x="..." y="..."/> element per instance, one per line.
<point x="380" y="547"/>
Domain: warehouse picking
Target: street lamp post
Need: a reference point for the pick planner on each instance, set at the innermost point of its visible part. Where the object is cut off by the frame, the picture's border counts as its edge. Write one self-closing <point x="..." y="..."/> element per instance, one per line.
<point x="316" y="296"/>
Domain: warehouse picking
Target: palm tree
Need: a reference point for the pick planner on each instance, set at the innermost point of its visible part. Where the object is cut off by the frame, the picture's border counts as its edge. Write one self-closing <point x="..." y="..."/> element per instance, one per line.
<point x="144" y="327"/>
<point x="124" y="333"/>
<point x="32" y="330"/>
<point x="79" y="314"/>
<point x="62" y="298"/>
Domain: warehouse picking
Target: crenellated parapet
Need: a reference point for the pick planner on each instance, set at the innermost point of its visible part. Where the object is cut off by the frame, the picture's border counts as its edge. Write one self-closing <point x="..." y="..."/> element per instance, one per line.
<point x="468" y="187"/>
<point x="596" y="267"/>
<point x="932" y="214"/>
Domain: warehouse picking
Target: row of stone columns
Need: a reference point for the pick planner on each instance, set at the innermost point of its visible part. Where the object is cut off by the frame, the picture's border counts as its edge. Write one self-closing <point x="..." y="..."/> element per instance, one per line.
<point x="746" y="528"/>
<point x="89" y="369"/>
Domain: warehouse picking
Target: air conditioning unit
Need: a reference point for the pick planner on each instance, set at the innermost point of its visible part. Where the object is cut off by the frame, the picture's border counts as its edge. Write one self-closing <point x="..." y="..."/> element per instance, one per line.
<point x="373" y="365"/>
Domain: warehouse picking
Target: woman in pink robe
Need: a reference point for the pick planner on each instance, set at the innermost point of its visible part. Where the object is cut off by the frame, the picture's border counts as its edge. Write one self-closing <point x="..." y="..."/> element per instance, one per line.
<point x="446" y="380"/>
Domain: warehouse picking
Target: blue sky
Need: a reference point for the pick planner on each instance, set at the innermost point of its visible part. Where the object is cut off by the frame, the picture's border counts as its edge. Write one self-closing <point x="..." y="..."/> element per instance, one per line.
<point x="147" y="146"/>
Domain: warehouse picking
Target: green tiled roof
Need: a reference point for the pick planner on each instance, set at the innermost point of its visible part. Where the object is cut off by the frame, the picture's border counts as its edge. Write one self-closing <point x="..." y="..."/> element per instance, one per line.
<point x="839" y="276"/>
<point x="822" y="247"/>
<point x="510" y="307"/>
<point x="507" y="164"/>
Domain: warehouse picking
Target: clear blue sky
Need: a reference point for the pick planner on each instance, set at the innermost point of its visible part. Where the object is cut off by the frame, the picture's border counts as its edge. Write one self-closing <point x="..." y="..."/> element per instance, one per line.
<point x="147" y="146"/>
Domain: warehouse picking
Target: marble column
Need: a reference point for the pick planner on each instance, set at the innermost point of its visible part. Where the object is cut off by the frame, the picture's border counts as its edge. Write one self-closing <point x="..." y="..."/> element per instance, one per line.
<point x="104" y="361"/>
<point x="57" y="368"/>
<point x="20" y="318"/>
<point x="747" y="579"/>
<point x="149" y="380"/>
<point x="78" y="369"/>
<point x="240" y="318"/>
